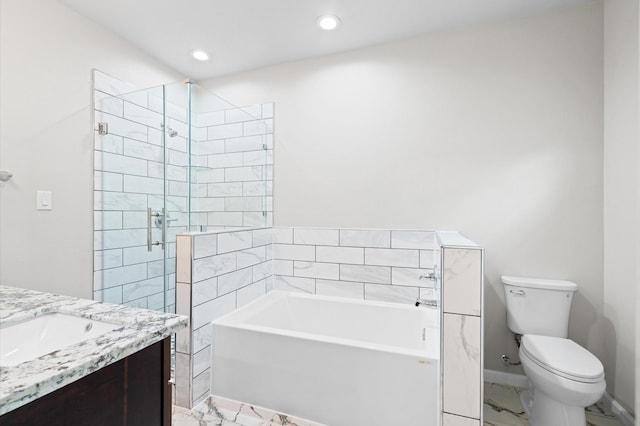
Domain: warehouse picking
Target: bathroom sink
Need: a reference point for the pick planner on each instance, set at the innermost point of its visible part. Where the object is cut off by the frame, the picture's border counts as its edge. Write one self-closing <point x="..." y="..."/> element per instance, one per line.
<point x="37" y="336"/>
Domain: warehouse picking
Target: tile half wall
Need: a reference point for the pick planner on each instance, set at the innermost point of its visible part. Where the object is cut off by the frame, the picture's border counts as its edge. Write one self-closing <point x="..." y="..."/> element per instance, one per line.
<point x="219" y="272"/>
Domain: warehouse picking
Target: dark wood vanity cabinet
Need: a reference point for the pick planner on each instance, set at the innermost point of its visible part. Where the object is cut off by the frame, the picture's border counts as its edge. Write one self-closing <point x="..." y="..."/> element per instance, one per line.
<point x="134" y="391"/>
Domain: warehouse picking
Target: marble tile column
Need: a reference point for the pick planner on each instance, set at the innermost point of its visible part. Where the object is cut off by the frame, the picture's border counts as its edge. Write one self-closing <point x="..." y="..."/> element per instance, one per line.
<point x="183" y="354"/>
<point x="462" y="341"/>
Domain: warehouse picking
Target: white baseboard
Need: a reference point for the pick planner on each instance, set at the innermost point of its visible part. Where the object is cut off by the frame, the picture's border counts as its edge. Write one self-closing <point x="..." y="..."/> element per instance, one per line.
<point x="519" y="380"/>
<point x="503" y="378"/>
<point x="618" y="410"/>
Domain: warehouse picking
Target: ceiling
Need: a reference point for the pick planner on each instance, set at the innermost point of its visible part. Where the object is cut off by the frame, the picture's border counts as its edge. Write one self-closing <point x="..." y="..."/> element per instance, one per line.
<point x="241" y="35"/>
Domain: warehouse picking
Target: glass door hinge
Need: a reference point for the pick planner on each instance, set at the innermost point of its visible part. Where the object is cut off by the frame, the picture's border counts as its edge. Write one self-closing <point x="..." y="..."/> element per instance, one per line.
<point x="103" y="128"/>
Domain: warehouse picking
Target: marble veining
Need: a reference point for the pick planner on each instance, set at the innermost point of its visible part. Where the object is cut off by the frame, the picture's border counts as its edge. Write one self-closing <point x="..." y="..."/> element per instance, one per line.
<point x="33" y="379"/>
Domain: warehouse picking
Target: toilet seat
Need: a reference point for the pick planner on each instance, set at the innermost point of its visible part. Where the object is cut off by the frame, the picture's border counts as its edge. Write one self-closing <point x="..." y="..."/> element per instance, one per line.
<point x="563" y="357"/>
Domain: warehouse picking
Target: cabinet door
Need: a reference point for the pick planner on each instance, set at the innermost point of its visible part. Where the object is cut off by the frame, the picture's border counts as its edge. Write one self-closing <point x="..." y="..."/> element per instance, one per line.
<point x="133" y="392"/>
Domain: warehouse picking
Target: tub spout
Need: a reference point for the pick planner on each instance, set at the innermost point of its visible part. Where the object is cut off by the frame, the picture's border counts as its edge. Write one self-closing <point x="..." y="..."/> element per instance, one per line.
<point x="430" y="303"/>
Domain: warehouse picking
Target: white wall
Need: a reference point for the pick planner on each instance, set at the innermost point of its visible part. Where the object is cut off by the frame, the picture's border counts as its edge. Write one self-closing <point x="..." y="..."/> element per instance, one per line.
<point x="621" y="194"/>
<point x="495" y="131"/>
<point x="47" y="53"/>
<point x="637" y="406"/>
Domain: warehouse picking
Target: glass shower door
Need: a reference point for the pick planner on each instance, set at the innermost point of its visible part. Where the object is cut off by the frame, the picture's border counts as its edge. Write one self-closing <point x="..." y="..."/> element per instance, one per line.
<point x="132" y="253"/>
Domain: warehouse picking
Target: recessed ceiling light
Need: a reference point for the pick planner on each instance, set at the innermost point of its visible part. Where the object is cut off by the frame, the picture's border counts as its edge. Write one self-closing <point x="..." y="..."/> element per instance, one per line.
<point x="328" y="22"/>
<point x="200" y="55"/>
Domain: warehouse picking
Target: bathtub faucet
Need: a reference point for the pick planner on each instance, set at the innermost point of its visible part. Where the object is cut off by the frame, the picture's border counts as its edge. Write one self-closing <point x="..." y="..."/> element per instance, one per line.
<point x="429" y="276"/>
<point x="429" y="303"/>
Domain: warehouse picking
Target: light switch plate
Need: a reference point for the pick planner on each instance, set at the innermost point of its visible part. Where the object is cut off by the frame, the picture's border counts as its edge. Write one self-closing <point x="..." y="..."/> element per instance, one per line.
<point x="44" y="200"/>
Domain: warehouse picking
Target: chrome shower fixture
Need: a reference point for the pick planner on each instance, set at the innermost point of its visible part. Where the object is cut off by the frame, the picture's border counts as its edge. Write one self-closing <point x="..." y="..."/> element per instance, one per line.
<point x="172" y="133"/>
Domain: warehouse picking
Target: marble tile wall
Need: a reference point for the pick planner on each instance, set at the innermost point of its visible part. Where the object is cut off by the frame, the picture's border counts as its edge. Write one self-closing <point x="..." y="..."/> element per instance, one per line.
<point x="462" y="341"/>
<point x="217" y="272"/>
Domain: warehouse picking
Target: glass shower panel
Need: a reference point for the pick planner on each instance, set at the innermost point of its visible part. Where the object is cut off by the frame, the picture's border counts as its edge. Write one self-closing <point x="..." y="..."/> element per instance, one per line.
<point x="172" y="159"/>
<point x="177" y="135"/>
<point x="130" y="262"/>
<point x="230" y="153"/>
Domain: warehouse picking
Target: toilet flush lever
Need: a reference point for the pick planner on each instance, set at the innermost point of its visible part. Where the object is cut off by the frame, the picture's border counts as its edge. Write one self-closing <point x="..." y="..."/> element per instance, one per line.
<point x="518" y="292"/>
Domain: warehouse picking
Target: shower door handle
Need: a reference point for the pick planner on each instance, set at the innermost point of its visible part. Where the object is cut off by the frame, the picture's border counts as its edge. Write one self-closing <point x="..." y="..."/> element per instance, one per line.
<point x="151" y="243"/>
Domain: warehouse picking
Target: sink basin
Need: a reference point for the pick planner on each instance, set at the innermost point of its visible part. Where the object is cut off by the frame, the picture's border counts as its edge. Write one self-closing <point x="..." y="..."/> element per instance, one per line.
<point x="41" y="335"/>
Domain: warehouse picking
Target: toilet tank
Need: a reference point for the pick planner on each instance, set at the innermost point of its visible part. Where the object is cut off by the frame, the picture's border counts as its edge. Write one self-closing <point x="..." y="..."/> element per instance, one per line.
<point x="538" y="306"/>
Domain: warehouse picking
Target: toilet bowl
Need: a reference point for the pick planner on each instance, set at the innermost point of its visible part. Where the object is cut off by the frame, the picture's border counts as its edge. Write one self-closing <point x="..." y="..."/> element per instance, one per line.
<point x="565" y="378"/>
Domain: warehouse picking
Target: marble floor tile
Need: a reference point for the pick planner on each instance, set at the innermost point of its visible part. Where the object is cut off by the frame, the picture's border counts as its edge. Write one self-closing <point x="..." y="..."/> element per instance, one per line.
<point x="215" y="411"/>
<point x="502" y="408"/>
<point x="598" y="415"/>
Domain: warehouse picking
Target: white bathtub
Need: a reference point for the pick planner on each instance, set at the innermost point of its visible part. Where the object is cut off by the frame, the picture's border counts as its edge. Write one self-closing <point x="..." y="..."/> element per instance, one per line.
<point x="331" y="360"/>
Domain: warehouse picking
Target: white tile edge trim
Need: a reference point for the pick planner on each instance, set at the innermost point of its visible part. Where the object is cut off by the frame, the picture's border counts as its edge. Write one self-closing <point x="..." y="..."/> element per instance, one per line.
<point x="504" y="378"/>
<point x="454" y="239"/>
<point x="519" y="380"/>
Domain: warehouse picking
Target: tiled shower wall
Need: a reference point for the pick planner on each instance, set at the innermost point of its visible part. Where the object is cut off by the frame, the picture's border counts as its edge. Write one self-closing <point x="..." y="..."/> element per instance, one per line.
<point x="231" y="178"/>
<point x="233" y="161"/>
<point x="129" y="178"/>
<point x="368" y="264"/>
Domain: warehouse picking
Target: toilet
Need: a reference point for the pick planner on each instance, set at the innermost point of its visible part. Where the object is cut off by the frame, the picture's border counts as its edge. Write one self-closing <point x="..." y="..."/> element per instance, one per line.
<point x="563" y="377"/>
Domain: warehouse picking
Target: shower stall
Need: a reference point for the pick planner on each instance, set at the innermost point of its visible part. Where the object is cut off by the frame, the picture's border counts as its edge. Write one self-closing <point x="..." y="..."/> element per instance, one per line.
<point x="170" y="159"/>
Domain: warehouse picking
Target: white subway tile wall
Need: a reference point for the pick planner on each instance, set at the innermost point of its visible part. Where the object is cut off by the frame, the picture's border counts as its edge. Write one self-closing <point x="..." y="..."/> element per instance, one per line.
<point x="368" y="264"/>
<point x="229" y="269"/>
<point x="231" y="184"/>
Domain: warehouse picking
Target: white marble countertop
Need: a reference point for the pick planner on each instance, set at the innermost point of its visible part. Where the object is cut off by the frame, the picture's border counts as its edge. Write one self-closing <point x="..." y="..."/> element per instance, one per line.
<point x="30" y="380"/>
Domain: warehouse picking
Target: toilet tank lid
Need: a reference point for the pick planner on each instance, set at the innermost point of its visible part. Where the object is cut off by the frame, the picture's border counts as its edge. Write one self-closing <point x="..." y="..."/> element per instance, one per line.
<point x="540" y="283"/>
